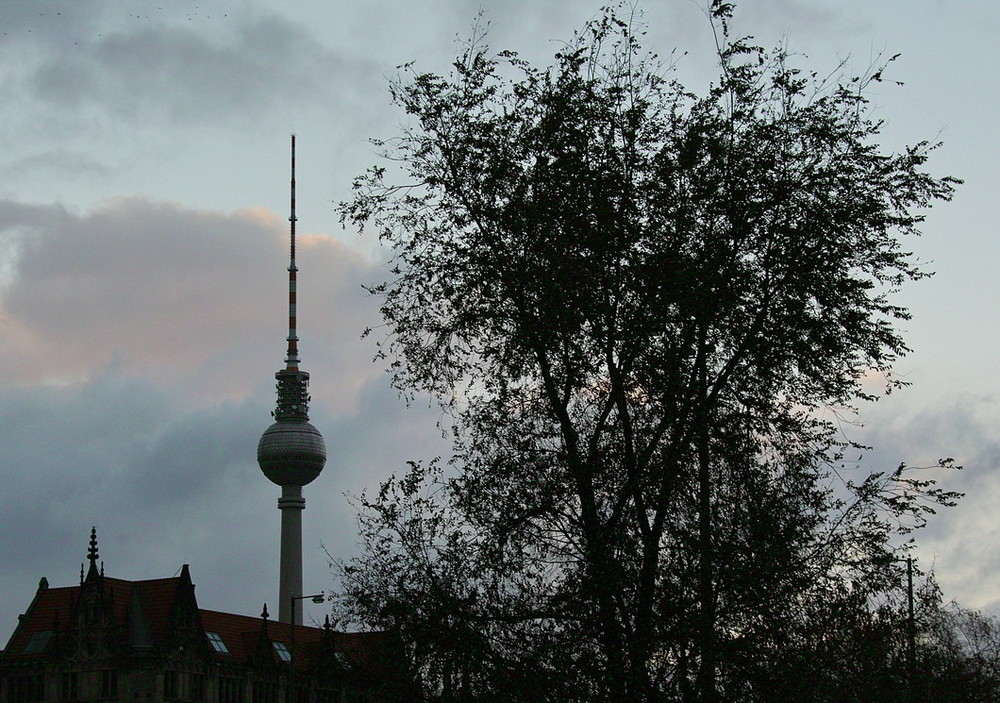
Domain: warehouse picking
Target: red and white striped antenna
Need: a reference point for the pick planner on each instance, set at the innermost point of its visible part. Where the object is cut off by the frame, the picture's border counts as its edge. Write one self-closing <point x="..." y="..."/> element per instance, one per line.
<point x="292" y="357"/>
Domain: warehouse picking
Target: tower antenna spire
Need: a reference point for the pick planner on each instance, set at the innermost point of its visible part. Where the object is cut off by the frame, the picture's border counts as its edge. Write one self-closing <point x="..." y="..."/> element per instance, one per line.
<point x="292" y="357"/>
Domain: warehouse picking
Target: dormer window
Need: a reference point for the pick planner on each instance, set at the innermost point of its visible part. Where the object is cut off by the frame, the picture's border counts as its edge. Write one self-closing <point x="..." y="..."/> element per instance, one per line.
<point x="215" y="639"/>
<point x="38" y="642"/>
<point x="281" y="649"/>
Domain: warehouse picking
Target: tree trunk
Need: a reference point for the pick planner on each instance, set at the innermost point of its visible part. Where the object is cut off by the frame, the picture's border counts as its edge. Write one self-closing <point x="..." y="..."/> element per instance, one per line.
<point x="706" y="681"/>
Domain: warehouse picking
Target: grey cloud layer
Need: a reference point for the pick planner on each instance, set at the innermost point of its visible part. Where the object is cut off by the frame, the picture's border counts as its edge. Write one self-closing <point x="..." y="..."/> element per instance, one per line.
<point x="954" y="541"/>
<point x="115" y="94"/>
<point x="182" y="74"/>
<point x="168" y="482"/>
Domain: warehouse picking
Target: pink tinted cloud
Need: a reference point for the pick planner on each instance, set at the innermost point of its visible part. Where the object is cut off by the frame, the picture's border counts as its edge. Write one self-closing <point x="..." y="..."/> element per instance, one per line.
<point x="153" y="289"/>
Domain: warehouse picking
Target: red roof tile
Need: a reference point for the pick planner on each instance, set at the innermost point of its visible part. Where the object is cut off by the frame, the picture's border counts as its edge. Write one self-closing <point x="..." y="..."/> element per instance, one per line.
<point x="49" y="606"/>
<point x="370" y="652"/>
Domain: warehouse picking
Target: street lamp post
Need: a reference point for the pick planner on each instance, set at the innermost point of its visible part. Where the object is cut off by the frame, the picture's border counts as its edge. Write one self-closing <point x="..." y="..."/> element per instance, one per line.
<point x="911" y="633"/>
<point x="316" y="598"/>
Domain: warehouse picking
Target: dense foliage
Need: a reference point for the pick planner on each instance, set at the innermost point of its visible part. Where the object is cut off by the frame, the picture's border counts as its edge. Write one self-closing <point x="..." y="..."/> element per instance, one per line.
<point x="647" y="312"/>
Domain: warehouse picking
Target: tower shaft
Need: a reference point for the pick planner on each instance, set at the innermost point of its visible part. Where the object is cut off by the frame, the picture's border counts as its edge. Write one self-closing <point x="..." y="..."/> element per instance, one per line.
<point x="291" y="504"/>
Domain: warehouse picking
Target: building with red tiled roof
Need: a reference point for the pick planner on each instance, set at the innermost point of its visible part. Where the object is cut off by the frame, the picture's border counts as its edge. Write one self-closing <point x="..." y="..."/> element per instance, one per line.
<point x="110" y="639"/>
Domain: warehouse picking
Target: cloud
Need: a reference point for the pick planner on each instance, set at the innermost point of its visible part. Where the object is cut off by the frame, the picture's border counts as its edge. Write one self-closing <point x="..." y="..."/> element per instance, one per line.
<point x="47" y="23"/>
<point x="254" y="64"/>
<point x="155" y="475"/>
<point x="153" y="288"/>
<point x="957" y="543"/>
<point x="116" y="100"/>
<point x="61" y="163"/>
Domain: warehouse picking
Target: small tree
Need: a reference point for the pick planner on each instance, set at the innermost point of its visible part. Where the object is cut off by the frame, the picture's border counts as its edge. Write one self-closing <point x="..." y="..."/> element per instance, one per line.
<point x="958" y="657"/>
<point x="645" y="310"/>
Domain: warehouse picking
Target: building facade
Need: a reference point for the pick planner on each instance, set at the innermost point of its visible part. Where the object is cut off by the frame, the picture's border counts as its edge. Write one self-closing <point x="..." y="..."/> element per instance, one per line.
<point x="110" y="639"/>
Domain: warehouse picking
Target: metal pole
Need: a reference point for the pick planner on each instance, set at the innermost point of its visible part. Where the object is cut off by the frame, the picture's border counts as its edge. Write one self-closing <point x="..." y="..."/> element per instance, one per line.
<point x="291" y="655"/>
<point x="291" y="696"/>
<point x="911" y="643"/>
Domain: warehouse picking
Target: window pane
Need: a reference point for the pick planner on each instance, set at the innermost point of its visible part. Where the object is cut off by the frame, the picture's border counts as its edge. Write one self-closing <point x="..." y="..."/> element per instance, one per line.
<point x="282" y="651"/>
<point x="38" y="642"/>
<point x="216" y="641"/>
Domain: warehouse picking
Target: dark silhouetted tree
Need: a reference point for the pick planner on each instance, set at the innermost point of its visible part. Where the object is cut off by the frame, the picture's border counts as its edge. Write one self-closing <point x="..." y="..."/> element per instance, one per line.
<point x="646" y="312"/>
<point x="958" y="651"/>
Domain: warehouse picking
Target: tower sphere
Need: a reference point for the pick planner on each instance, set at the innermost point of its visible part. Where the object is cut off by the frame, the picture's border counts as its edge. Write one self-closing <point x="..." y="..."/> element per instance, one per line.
<point x="291" y="452"/>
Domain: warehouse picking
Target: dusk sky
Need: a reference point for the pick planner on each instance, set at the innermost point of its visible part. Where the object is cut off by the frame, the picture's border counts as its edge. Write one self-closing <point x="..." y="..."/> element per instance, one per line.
<point x="143" y="245"/>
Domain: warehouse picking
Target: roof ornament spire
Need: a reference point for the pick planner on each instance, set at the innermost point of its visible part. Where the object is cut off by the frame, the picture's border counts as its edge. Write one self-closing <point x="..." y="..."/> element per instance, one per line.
<point x="92" y="556"/>
<point x="92" y="549"/>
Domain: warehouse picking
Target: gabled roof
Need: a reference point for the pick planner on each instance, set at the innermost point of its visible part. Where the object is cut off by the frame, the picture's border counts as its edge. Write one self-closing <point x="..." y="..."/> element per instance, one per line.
<point x="142" y="612"/>
<point x="370" y="652"/>
<point x="150" y="601"/>
<point x="50" y="608"/>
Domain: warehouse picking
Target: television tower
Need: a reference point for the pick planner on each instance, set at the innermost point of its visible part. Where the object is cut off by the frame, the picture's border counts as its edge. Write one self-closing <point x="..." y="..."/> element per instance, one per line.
<point x="291" y="452"/>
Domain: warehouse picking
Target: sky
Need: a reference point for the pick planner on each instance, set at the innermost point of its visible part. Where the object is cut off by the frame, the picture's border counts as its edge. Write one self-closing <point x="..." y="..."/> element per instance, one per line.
<point x="143" y="245"/>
